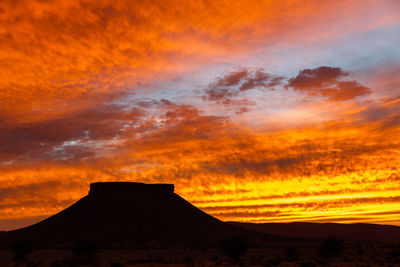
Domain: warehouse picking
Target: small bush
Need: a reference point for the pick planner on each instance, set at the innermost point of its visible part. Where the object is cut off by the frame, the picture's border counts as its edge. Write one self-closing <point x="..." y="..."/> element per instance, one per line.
<point x="393" y="256"/>
<point x="83" y="248"/>
<point x="234" y="247"/>
<point x="84" y="252"/>
<point x="21" y="250"/>
<point x="331" y="247"/>
<point x="307" y="264"/>
<point x="273" y="262"/>
<point x="292" y="252"/>
<point x="63" y="263"/>
<point x="188" y="261"/>
<point x="321" y="262"/>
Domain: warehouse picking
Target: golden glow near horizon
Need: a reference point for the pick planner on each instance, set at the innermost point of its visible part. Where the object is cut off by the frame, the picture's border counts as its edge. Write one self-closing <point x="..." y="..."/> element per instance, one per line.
<point x="258" y="111"/>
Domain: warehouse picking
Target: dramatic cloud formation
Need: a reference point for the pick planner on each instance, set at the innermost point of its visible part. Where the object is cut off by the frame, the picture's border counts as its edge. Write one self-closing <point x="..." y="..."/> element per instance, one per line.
<point x="92" y="124"/>
<point x="326" y="81"/>
<point x="311" y="79"/>
<point x="256" y="111"/>
<point x="229" y="89"/>
<point x="233" y="83"/>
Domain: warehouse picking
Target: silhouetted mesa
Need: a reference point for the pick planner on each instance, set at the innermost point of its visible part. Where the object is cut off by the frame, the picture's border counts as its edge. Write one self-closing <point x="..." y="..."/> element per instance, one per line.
<point x="129" y="215"/>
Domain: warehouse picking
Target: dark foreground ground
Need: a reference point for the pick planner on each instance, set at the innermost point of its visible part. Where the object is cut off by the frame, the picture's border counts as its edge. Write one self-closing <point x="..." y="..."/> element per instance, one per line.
<point x="307" y="255"/>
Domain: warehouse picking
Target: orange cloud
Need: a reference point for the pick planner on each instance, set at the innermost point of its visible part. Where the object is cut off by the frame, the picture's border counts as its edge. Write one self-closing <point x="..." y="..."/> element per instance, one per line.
<point x="56" y="52"/>
<point x="305" y="174"/>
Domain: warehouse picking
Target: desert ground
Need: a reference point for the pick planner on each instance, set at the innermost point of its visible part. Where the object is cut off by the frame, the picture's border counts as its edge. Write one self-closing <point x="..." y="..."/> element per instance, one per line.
<point x="352" y="254"/>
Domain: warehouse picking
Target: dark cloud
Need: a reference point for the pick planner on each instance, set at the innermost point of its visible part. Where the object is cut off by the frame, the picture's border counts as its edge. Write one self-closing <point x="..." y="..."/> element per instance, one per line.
<point x="258" y="79"/>
<point x="324" y="81"/>
<point x="219" y="94"/>
<point x="316" y="78"/>
<point x="59" y="135"/>
<point x="345" y="90"/>
<point x="232" y="79"/>
<point x="327" y="82"/>
<point x="84" y="134"/>
<point x="233" y="83"/>
<point x="227" y="90"/>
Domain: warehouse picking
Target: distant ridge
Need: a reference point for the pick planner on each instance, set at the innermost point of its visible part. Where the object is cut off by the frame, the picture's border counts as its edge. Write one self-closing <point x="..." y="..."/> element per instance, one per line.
<point x="352" y="232"/>
<point x="123" y="214"/>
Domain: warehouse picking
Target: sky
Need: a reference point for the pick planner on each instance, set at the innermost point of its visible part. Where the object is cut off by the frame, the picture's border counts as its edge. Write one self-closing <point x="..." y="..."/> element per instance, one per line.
<point x="257" y="111"/>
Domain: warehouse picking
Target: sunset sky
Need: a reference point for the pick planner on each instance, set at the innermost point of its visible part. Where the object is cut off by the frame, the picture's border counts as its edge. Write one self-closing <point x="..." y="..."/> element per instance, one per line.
<point x="258" y="111"/>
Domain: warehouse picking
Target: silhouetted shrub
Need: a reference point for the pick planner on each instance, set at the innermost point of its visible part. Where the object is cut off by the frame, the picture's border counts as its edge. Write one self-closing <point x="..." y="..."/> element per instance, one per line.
<point x="273" y="262"/>
<point x="393" y="256"/>
<point x="395" y="253"/>
<point x="347" y="259"/>
<point x="292" y="252"/>
<point x="21" y="250"/>
<point x="140" y="261"/>
<point x="116" y="264"/>
<point x="64" y="263"/>
<point x="307" y="264"/>
<point x="188" y="261"/>
<point x="83" y="247"/>
<point x="256" y="260"/>
<point x="234" y="247"/>
<point x="321" y="262"/>
<point x="331" y="247"/>
<point x="84" y="252"/>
